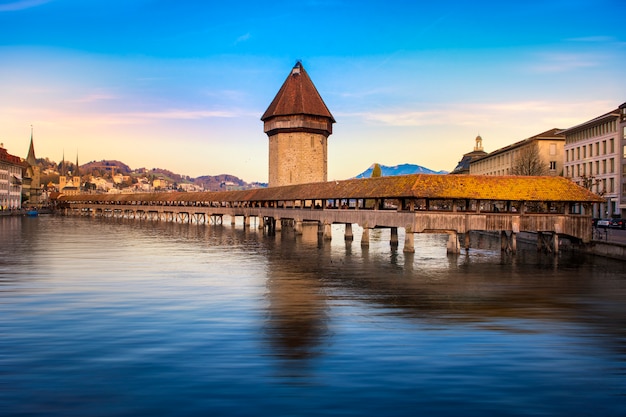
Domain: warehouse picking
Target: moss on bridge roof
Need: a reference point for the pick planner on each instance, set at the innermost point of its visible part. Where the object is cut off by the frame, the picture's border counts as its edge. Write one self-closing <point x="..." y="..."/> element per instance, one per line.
<point x="475" y="187"/>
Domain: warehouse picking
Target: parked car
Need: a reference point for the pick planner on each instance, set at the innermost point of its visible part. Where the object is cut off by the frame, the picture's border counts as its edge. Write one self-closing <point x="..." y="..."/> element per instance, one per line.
<point x="604" y="223"/>
<point x="617" y="224"/>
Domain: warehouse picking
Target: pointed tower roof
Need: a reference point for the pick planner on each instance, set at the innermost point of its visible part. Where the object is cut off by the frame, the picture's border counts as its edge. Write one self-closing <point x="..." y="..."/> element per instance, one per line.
<point x="32" y="161"/>
<point x="297" y="96"/>
<point x="77" y="173"/>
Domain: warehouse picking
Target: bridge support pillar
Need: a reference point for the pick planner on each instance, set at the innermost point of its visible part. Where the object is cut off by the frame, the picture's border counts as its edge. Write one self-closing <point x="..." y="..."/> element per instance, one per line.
<point x="508" y="241"/>
<point x="261" y="222"/>
<point x="233" y="218"/>
<point x="365" y="237"/>
<point x="555" y="242"/>
<point x="278" y="225"/>
<point x="298" y="227"/>
<point x="548" y="242"/>
<point x="409" y="241"/>
<point x="348" y="233"/>
<point x="453" y="243"/>
<point x="327" y="231"/>
<point x="246" y="221"/>
<point x="393" y="241"/>
<point x="467" y="239"/>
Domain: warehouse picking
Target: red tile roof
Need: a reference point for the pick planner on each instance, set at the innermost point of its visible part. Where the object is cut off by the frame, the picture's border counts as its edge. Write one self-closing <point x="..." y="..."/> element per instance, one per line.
<point x="297" y="95"/>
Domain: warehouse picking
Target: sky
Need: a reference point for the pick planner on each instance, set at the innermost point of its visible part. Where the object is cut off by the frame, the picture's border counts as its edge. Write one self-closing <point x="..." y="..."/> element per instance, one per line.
<point x="182" y="85"/>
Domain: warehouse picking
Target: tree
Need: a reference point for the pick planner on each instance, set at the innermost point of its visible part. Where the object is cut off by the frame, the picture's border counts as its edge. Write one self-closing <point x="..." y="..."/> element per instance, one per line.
<point x="377" y="171"/>
<point x="528" y="162"/>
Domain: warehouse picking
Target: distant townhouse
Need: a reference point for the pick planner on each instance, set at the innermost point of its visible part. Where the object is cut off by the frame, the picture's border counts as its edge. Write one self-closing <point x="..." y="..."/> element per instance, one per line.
<point x="595" y="154"/>
<point x="11" y="168"/>
<point x="545" y="150"/>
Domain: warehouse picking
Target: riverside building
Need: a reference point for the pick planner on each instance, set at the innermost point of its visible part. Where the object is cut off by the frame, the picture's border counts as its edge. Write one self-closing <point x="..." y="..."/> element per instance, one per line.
<point x="11" y="168"/>
<point x="595" y="154"/>
<point x="544" y="149"/>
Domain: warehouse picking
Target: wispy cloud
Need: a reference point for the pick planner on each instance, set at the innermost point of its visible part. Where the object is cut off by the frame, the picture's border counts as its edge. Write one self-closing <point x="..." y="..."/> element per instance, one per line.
<point x="548" y="113"/>
<point x="21" y="5"/>
<point x="242" y="38"/>
<point x="565" y="62"/>
<point x="92" y="98"/>
<point x="182" y="114"/>
<point x="593" y="39"/>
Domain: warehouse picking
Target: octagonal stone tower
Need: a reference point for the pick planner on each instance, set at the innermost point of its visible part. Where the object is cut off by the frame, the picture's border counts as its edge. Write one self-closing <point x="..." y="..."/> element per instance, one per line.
<point x="298" y="124"/>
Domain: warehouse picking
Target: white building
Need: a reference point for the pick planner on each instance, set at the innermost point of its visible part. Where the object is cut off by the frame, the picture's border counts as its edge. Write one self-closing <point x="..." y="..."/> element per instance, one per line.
<point x="11" y="168"/>
<point x="594" y="158"/>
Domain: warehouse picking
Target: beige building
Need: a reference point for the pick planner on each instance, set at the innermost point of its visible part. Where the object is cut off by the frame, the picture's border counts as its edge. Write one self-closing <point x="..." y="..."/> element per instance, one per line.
<point x="544" y="151"/>
<point x="595" y="158"/>
<point x="298" y="124"/>
<point x="69" y="182"/>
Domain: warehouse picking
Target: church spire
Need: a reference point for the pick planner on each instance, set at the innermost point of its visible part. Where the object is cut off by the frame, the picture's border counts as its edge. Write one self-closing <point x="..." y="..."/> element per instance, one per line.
<point x="32" y="161"/>
<point x="77" y="174"/>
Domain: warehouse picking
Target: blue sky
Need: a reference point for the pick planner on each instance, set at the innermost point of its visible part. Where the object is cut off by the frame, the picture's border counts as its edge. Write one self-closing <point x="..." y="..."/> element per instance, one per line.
<point x="182" y="84"/>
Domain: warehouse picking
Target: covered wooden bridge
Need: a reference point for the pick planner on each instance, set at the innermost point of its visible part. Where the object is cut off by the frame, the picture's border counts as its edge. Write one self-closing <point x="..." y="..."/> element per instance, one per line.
<point x="452" y="204"/>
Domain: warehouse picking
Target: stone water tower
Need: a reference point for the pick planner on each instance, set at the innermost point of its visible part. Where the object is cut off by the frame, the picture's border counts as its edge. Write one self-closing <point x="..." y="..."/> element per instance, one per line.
<point x="298" y="124"/>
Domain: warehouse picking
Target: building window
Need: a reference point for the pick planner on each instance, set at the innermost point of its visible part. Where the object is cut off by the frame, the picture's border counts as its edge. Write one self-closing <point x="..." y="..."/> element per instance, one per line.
<point x="552" y="165"/>
<point x="603" y="147"/>
<point x="611" y="145"/>
<point x="611" y="185"/>
<point x="553" y="149"/>
<point x="612" y="165"/>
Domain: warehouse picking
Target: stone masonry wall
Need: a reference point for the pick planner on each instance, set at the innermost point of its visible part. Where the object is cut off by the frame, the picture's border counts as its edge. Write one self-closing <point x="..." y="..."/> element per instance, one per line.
<point x="297" y="158"/>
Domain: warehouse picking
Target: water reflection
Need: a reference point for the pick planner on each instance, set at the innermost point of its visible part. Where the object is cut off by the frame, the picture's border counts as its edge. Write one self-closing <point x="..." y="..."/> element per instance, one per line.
<point x="171" y="319"/>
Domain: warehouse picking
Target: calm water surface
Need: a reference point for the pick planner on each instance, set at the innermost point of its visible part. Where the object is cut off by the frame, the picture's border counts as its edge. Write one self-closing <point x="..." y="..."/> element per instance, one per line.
<point x="103" y="317"/>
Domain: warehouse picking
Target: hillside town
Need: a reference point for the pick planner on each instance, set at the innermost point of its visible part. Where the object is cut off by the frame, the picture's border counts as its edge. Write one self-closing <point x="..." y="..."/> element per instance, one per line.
<point x="591" y="154"/>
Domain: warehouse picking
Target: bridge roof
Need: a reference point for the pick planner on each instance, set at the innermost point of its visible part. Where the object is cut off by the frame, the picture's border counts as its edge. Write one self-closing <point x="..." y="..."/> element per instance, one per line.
<point x="473" y="187"/>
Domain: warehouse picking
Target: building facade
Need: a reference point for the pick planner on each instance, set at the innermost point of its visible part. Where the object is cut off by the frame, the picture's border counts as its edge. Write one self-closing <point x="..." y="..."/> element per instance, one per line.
<point x="69" y="182"/>
<point x="298" y="125"/>
<point x="544" y="150"/>
<point x="11" y="168"/>
<point x="595" y="159"/>
<point x="463" y="167"/>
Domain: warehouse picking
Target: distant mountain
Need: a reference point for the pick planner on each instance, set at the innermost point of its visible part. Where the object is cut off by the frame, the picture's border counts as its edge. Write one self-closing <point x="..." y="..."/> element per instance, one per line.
<point x="106" y="165"/>
<point x="208" y="182"/>
<point x="404" y="169"/>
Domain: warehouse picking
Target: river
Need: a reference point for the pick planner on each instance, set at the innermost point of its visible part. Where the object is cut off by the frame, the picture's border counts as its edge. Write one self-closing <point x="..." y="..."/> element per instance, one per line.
<point x="114" y="317"/>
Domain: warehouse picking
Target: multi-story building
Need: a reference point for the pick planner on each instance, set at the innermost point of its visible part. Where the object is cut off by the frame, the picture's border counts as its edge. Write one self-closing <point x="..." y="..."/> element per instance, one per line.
<point x="543" y="151"/>
<point x="594" y="158"/>
<point x="11" y="168"/>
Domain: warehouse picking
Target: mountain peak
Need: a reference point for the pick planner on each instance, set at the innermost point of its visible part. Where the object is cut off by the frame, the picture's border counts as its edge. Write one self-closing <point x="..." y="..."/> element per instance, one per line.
<point x="402" y="169"/>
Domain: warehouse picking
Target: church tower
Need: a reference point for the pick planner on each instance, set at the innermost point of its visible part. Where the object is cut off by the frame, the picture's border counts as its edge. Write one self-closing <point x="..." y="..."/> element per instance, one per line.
<point x="298" y="124"/>
<point x="32" y="179"/>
